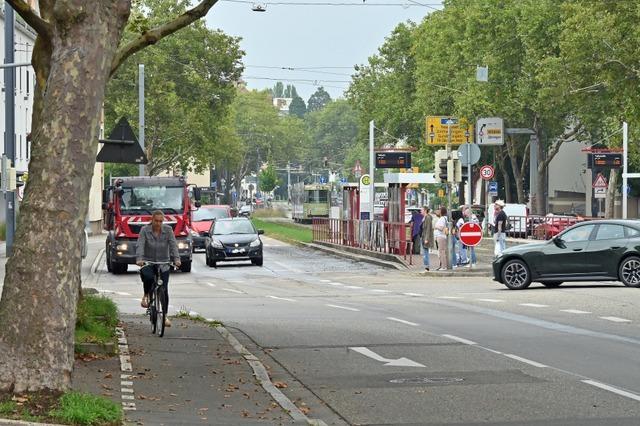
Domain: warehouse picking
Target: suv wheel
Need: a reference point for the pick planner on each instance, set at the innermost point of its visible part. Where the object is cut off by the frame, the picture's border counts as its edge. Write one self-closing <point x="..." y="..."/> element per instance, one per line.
<point x="516" y="275"/>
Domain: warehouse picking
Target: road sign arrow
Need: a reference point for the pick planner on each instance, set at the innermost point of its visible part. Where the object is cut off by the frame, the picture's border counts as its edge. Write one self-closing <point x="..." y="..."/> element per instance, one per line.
<point x="400" y="362"/>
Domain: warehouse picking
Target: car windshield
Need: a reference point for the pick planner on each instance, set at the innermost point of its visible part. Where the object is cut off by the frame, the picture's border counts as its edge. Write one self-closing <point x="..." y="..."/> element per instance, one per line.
<point x="228" y="227"/>
<point x="149" y="198"/>
<point x="210" y="213"/>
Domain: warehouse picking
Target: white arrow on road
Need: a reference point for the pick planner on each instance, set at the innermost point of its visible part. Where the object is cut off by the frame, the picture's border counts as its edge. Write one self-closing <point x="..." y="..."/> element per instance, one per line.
<point x="400" y="362"/>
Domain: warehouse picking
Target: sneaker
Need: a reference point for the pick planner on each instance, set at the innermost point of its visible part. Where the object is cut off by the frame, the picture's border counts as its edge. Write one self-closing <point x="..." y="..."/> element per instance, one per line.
<point x="145" y="301"/>
<point x="167" y="323"/>
<point x="468" y="265"/>
<point x="426" y="268"/>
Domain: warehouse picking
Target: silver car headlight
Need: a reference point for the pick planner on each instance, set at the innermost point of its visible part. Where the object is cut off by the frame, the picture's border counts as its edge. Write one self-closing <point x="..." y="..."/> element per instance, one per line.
<point x="216" y="244"/>
<point x="255" y="243"/>
<point x="182" y="245"/>
<point x="122" y="247"/>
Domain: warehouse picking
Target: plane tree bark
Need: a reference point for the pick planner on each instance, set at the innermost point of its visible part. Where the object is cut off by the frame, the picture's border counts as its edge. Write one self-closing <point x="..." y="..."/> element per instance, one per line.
<point x="76" y="52"/>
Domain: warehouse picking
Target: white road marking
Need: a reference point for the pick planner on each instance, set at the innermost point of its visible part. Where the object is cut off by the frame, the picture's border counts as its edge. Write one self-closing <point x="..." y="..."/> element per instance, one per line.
<point x="281" y="298"/>
<point x="125" y="383"/>
<point x="449" y="297"/>
<point x="533" y="305"/>
<point x="400" y="362"/>
<point x="526" y="361"/>
<point x="612" y="389"/>
<point x="211" y="284"/>
<point x="381" y="291"/>
<point x="459" y="339"/>
<point x="354" y="287"/>
<point x="122" y="293"/>
<point x="127" y="397"/>
<point x="615" y="319"/>
<point x="413" y="294"/>
<point x="232" y="290"/>
<point x="491" y="300"/>
<point x="325" y="281"/>
<point x="402" y="321"/>
<point x="336" y="284"/>
<point x="343" y="307"/>
<point x="574" y="311"/>
<point x="126" y="393"/>
<point x="491" y="350"/>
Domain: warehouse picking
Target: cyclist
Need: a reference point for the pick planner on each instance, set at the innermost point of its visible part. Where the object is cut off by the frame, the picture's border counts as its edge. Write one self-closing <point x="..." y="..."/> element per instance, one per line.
<point x="156" y="243"/>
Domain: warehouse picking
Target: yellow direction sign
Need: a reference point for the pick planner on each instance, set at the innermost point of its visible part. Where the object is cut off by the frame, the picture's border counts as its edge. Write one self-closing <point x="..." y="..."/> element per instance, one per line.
<point x="438" y="130"/>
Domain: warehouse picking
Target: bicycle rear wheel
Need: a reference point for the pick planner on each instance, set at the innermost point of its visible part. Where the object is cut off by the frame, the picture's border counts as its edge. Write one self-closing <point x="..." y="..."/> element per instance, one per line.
<point x="162" y="311"/>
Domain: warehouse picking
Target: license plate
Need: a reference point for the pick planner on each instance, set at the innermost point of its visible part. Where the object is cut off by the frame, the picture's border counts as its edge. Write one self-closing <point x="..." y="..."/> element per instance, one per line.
<point x="237" y="250"/>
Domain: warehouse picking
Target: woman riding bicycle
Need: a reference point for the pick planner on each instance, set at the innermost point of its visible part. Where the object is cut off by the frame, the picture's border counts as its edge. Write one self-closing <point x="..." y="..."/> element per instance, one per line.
<point x="156" y="243"/>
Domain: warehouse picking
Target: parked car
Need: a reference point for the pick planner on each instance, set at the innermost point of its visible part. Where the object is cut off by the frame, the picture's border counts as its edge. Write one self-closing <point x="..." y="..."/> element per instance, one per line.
<point x="245" y="211"/>
<point x="201" y="222"/>
<point x="234" y="239"/>
<point x="604" y="250"/>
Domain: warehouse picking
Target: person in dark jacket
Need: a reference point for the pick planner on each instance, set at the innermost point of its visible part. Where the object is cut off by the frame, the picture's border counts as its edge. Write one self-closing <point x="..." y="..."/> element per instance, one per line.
<point x="427" y="238"/>
<point x="416" y="229"/>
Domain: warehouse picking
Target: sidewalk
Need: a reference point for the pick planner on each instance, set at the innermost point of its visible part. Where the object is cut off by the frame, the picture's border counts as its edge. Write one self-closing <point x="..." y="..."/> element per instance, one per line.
<point x="192" y="376"/>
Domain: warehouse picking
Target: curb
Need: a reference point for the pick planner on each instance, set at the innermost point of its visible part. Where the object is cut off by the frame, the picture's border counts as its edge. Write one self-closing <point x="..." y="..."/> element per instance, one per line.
<point x="260" y="372"/>
<point x="356" y="257"/>
<point x="450" y="274"/>
<point x="23" y="423"/>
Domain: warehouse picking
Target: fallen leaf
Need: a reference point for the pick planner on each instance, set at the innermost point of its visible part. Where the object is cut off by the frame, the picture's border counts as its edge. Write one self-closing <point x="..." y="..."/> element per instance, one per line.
<point x="280" y="385"/>
<point x="108" y="376"/>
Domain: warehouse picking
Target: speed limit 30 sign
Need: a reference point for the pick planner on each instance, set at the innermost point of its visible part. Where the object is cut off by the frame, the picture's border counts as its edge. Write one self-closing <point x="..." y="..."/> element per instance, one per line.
<point x="487" y="172"/>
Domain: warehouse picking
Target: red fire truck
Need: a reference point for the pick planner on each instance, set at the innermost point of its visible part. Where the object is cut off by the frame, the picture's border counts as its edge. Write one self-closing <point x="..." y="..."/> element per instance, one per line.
<point x="127" y="206"/>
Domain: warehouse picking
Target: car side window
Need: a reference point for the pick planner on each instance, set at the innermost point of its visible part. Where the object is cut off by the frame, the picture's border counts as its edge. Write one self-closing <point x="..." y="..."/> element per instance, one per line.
<point x="631" y="232"/>
<point x="581" y="233"/>
<point x="609" y="231"/>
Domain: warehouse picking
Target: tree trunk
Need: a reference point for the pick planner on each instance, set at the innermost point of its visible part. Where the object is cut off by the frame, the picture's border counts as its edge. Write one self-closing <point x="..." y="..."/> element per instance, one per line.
<point x="610" y="201"/>
<point x="541" y="181"/>
<point x="515" y="168"/>
<point x="505" y="176"/>
<point x="38" y="305"/>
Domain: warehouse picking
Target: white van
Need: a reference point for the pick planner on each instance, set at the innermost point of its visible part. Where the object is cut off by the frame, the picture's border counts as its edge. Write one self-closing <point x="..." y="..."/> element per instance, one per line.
<point x="518" y="215"/>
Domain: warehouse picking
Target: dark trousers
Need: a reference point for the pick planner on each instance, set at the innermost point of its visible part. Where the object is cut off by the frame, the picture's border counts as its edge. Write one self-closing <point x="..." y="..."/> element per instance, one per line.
<point x="148" y="274"/>
<point x="417" y="243"/>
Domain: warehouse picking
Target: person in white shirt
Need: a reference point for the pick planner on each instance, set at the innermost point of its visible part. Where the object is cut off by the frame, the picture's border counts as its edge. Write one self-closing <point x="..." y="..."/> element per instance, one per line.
<point x="461" y="248"/>
<point x="471" y="218"/>
<point x="440" y="233"/>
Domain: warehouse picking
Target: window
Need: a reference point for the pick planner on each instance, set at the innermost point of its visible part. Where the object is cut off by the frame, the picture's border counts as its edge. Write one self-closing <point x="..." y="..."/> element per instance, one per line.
<point x="608" y="231"/>
<point x="631" y="232"/>
<point x="580" y="233"/>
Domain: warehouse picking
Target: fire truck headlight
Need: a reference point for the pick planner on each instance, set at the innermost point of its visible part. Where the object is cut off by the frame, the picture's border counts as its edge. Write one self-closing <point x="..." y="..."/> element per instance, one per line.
<point x="122" y="247"/>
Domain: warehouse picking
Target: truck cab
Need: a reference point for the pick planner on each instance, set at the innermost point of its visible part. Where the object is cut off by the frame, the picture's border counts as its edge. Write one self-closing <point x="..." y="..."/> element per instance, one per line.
<point x="128" y="205"/>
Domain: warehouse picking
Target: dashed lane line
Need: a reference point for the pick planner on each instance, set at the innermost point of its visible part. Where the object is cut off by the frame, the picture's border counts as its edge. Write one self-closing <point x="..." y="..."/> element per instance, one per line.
<point x="575" y="311"/>
<point x="381" y="291"/>
<point x="346" y="308"/>
<point x="232" y="290"/>
<point x="525" y="360"/>
<point x="491" y="300"/>
<point x="211" y="284"/>
<point x="402" y="321"/>
<point x="414" y="294"/>
<point x="533" y="305"/>
<point x="336" y="284"/>
<point x="615" y="319"/>
<point x="281" y="298"/>
<point x="613" y="389"/>
<point x="449" y="297"/>
<point x="353" y="287"/>
<point x="459" y="339"/>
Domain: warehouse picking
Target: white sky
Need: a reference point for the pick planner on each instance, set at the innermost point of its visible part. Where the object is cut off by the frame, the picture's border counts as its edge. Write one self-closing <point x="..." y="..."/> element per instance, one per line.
<point x="311" y="36"/>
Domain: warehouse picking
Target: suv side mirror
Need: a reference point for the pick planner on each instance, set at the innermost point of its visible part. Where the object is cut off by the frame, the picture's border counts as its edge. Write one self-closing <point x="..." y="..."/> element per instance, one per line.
<point x="559" y="242"/>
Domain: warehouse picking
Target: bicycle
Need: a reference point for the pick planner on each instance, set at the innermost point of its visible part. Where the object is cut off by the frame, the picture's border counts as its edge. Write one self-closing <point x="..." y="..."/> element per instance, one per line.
<point x="158" y="299"/>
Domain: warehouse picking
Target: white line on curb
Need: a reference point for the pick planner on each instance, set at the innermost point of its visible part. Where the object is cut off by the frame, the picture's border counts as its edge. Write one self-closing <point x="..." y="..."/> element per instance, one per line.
<point x="262" y="375"/>
<point x="526" y="361"/>
<point x="459" y="339"/>
<point x="126" y="385"/>
<point x="402" y="321"/>
<point x="615" y="319"/>
<point x="343" y="307"/>
<point x="612" y="389"/>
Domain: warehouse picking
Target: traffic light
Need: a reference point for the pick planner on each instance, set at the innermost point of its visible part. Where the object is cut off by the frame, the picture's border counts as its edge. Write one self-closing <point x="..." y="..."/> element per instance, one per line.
<point x="441" y="165"/>
<point x="457" y="170"/>
<point x="451" y="167"/>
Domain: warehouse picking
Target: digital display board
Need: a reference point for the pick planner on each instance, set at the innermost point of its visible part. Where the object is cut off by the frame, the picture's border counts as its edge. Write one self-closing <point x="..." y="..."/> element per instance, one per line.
<point x="393" y="160"/>
<point x="604" y="160"/>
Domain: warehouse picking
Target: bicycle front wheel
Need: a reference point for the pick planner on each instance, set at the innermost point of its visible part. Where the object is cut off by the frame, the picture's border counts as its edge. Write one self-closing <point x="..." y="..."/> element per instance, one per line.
<point x="162" y="308"/>
<point x="153" y="312"/>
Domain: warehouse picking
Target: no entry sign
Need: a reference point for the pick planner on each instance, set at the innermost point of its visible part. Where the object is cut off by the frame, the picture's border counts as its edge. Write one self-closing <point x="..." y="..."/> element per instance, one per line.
<point x="470" y="234"/>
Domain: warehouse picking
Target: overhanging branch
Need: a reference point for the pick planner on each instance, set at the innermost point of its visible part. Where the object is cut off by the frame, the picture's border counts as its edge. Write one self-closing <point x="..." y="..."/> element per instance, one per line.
<point x="42" y="27"/>
<point x="158" y="33"/>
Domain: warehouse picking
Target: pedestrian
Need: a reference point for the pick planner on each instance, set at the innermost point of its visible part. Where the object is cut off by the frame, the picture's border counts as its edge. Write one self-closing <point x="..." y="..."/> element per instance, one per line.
<point x="427" y="236"/>
<point x="440" y="232"/>
<point x="461" y="248"/>
<point x="500" y="223"/>
<point x="416" y="228"/>
<point x="471" y="218"/>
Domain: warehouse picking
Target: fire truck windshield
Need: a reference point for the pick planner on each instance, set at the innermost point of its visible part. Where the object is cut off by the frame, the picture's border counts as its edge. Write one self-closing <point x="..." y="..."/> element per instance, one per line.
<point x="146" y="199"/>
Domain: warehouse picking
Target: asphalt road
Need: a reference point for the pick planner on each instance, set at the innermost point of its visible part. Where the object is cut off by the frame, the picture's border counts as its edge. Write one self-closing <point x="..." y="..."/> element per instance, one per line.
<point x="363" y="345"/>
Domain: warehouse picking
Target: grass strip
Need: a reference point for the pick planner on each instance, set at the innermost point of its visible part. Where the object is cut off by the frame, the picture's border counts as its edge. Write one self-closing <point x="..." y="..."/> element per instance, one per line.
<point x="96" y="320"/>
<point x="287" y="232"/>
<point x="85" y="409"/>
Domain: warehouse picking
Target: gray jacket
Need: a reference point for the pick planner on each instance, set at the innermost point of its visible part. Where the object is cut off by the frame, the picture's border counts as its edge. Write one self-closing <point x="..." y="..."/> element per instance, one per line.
<point x="427" y="232"/>
<point x="157" y="249"/>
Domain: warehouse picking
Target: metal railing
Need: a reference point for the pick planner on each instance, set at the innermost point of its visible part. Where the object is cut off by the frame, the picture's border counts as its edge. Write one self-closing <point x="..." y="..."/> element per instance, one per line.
<point x="542" y="227"/>
<point x="372" y="235"/>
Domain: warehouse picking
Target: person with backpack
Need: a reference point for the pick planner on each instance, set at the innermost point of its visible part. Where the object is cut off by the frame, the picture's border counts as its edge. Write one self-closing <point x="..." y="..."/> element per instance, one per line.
<point x="499" y="228"/>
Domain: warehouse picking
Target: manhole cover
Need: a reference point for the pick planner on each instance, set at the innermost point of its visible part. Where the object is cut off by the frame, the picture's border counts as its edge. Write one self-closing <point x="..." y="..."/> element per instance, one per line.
<point x="424" y="380"/>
